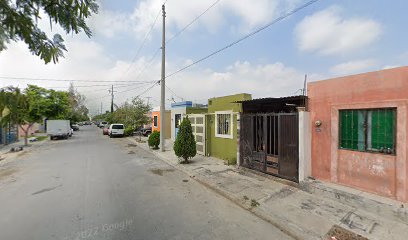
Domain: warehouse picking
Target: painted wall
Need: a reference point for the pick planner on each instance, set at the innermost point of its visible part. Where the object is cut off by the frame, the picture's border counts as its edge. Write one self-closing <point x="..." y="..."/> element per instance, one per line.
<point x="379" y="173"/>
<point x="36" y="127"/>
<point x="167" y="123"/>
<point x="196" y="110"/>
<point x="182" y="108"/>
<point x="305" y="162"/>
<point x="174" y="111"/>
<point x="224" y="148"/>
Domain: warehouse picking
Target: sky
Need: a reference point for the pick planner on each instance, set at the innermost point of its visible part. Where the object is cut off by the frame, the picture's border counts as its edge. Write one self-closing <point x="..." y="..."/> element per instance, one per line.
<point x="326" y="39"/>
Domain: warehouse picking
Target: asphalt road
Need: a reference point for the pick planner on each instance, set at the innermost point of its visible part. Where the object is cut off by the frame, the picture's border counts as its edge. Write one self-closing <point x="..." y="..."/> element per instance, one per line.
<point x="94" y="187"/>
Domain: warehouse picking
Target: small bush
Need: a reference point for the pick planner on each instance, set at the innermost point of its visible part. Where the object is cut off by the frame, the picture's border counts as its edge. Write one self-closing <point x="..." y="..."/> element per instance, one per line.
<point x="154" y="140"/>
<point x="128" y="131"/>
<point x="185" y="144"/>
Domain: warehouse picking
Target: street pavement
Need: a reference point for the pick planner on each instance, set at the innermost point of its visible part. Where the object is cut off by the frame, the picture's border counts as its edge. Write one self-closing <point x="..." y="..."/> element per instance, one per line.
<point x="94" y="187"/>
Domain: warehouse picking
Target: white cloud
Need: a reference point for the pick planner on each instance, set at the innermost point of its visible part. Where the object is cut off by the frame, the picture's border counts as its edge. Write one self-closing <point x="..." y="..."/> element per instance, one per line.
<point x="249" y="14"/>
<point x="87" y="60"/>
<point x="328" y="33"/>
<point x="268" y="80"/>
<point x="390" y="66"/>
<point x="351" y="67"/>
<point x="109" y="23"/>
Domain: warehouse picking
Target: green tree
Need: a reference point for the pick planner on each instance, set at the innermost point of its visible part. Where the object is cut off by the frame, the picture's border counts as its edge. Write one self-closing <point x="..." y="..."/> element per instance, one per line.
<point x="132" y="114"/>
<point x="154" y="140"/>
<point x="185" y="144"/>
<point x="77" y="111"/>
<point x="19" y="23"/>
<point x="32" y="106"/>
<point x="18" y="110"/>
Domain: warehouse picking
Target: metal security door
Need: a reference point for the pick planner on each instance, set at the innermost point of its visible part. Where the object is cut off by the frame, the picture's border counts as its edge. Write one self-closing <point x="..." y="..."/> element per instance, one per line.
<point x="269" y="143"/>
<point x="289" y="146"/>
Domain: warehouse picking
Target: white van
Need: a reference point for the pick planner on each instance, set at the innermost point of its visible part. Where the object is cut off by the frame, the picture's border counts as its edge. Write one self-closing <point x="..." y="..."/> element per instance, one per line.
<point x="58" y="129"/>
<point x="116" y="129"/>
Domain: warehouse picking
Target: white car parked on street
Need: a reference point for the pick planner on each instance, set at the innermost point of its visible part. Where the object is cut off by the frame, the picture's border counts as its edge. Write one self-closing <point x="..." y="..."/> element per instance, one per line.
<point x="116" y="129"/>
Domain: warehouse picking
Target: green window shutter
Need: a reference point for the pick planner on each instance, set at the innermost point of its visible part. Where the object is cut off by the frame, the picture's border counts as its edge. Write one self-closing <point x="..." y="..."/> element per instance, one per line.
<point x="354" y="130"/>
<point x="383" y="129"/>
<point x="344" y="126"/>
<point x="349" y="129"/>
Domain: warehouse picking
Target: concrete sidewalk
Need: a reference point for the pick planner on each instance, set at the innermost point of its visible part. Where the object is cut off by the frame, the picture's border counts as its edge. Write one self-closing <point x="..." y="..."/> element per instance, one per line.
<point x="5" y="150"/>
<point x="304" y="211"/>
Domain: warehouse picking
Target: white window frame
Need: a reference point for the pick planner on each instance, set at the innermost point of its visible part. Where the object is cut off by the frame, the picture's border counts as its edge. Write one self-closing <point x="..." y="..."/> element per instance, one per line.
<point x="231" y="135"/>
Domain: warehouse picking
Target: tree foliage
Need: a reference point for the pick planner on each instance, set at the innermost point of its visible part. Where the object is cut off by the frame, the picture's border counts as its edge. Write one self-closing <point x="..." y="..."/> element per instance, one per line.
<point x="185" y="144"/>
<point x="78" y="112"/>
<point x="33" y="105"/>
<point x="19" y="23"/>
<point x="132" y="114"/>
<point x="154" y="140"/>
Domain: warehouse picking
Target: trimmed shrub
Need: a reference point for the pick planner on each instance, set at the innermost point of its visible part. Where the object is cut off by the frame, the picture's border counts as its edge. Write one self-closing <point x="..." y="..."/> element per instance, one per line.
<point x="128" y="131"/>
<point x="185" y="144"/>
<point x="154" y="140"/>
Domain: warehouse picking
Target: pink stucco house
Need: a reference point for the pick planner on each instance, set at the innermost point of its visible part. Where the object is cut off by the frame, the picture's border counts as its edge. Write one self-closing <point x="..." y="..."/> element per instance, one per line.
<point x="359" y="131"/>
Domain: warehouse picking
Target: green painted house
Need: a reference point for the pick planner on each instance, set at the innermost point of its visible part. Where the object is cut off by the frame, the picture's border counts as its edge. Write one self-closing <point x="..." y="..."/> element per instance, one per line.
<point x="221" y="126"/>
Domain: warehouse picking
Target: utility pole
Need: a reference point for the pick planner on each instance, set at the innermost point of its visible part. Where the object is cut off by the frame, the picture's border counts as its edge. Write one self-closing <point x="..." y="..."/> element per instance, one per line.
<point x="162" y="84"/>
<point x="111" y="92"/>
<point x="101" y="108"/>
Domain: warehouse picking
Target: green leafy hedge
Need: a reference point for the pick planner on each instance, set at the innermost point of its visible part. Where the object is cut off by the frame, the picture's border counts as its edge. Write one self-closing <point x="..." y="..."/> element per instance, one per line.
<point x="154" y="140"/>
<point x="128" y="131"/>
<point x="185" y="144"/>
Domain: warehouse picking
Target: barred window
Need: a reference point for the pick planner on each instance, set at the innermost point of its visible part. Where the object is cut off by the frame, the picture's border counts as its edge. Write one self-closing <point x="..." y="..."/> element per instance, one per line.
<point x="155" y="121"/>
<point x="372" y="130"/>
<point x="223" y="124"/>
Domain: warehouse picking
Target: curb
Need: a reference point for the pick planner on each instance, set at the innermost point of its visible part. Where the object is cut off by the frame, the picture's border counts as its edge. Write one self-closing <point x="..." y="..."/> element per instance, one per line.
<point x="26" y="149"/>
<point x="281" y="224"/>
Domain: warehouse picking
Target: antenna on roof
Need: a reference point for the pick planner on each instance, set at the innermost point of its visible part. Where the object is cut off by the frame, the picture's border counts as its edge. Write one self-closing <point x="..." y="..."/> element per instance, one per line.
<point x="304" y="86"/>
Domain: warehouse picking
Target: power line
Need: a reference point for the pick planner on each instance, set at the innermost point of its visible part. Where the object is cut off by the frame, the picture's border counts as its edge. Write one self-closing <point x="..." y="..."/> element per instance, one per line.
<point x="193" y="21"/>
<point x="116" y="86"/>
<point x="67" y="80"/>
<point x="148" y="89"/>
<point x="141" y="46"/>
<point x="174" y="93"/>
<point x="245" y="37"/>
<point x="148" y="64"/>
<point x="96" y="85"/>
<point x="132" y="89"/>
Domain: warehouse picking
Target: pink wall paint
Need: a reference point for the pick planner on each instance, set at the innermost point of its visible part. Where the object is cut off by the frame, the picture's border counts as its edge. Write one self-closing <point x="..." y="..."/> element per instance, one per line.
<point x="33" y="129"/>
<point x="382" y="174"/>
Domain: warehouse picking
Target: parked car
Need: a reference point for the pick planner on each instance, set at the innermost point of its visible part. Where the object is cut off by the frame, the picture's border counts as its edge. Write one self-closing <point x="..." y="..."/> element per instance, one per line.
<point x="105" y="131"/>
<point x="146" y="131"/>
<point x="103" y="124"/>
<point x="116" y="129"/>
<point x="75" y="127"/>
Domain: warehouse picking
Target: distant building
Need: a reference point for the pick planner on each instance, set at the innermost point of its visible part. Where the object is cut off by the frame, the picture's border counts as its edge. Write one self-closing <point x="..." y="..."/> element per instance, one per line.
<point x="156" y="122"/>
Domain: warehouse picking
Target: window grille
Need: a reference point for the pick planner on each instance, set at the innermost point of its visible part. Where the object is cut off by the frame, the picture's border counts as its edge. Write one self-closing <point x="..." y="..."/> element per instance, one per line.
<point x="372" y="130"/>
<point x="224" y="125"/>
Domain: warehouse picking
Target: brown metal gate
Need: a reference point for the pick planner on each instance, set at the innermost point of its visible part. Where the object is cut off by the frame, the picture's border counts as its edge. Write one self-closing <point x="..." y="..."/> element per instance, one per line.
<point x="269" y="143"/>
